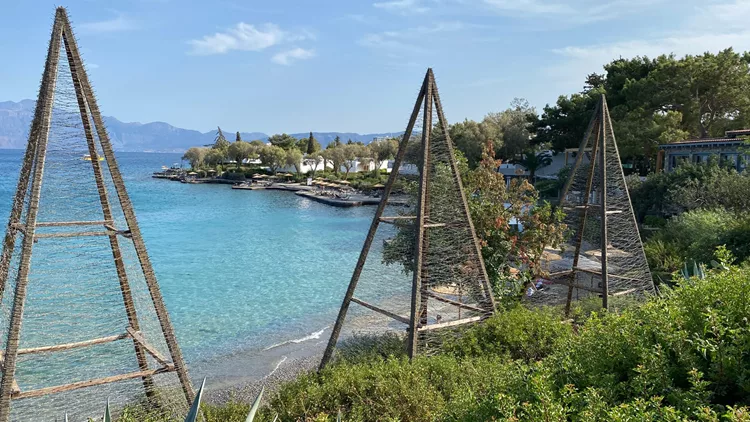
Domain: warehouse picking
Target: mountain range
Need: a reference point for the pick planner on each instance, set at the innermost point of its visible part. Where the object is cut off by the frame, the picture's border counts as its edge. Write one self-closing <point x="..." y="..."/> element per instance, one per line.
<point x="15" y="119"/>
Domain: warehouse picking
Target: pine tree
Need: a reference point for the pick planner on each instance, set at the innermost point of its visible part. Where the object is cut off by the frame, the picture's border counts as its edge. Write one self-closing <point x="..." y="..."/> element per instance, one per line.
<point x="312" y="145"/>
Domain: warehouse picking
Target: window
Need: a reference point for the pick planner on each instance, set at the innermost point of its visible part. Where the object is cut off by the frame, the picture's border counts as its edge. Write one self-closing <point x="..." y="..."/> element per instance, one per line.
<point x="728" y="160"/>
<point x="676" y="159"/>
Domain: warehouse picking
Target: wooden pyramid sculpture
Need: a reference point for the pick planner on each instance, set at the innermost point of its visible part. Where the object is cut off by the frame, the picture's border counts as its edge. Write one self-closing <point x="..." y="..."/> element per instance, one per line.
<point x="25" y="234"/>
<point x="608" y="258"/>
<point x="445" y="255"/>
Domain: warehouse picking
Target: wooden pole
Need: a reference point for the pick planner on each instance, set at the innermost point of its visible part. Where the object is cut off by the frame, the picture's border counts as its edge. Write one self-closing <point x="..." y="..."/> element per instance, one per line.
<point x="130" y="218"/>
<point x="46" y="97"/>
<point x="122" y="276"/>
<point x="603" y="200"/>
<point x="336" y="332"/>
<point x="416" y="291"/>
<point x="594" y="126"/>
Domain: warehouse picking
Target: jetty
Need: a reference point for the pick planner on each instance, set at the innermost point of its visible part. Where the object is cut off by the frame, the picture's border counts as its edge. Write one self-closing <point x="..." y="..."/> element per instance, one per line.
<point x="353" y="200"/>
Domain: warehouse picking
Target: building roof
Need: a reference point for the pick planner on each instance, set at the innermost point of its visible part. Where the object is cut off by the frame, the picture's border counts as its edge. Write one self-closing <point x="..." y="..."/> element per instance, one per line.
<point x="730" y="138"/>
<point x="703" y="143"/>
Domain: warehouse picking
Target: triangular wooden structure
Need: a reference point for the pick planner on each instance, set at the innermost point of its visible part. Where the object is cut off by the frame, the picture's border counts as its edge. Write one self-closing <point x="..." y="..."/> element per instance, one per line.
<point x="596" y="195"/>
<point x="23" y="225"/>
<point x="417" y="322"/>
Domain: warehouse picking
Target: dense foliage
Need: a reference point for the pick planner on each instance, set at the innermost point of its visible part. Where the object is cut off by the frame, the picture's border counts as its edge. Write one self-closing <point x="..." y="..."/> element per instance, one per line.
<point x="677" y="358"/>
<point x="654" y="101"/>
<point x="693" y="237"/>
<point x="689" y="187"/>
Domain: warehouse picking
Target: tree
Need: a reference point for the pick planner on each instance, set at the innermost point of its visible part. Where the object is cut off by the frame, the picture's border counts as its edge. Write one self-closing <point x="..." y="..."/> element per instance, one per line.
<point x="654" y="101"/>
<point x="220" y="142"/>
<point x="312" y="145"/>
<point x="273" y="157"/>
<point x="314" y="160"/>
<point x="470" y="137"/>
<point x="336" y="156"/>
<point x="239" y="151"/>
<point x="383" y="150"/>
<point x="237" y="137"/>
<point x="214" y="157"/>
<point x="350" y="154"/>
<point x="283" y="141"/>
<point x="533" y="161"/>
<point x="294" y="158"/>
<point x="195" y="156"/>
<point x="512" y="125"/>
<point x="562" y="126"/>
<point x="336" y="142"/>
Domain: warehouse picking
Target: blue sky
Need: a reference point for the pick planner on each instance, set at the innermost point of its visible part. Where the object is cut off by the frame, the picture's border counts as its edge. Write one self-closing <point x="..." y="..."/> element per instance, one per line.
<point x="348" y="65"/>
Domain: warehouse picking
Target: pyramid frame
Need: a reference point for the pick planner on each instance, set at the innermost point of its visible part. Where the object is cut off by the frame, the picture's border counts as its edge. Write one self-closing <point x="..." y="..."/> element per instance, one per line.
<point x="428" y="96"/>
<point x="600" y="129"/>
<point x="29" y="187"/>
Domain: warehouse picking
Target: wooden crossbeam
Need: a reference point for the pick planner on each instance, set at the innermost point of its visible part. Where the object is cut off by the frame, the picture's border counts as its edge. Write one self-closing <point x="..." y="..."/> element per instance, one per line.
<point x="450" y="323"/>
<point x="395" y="219"/>
<point x="624" y="292"/>
<point x="75" y="345"/>
<point x="433" y="225"/>
<point x="89" y="383"/>
<point x="608" y="275"/>
<point x="77" y="234"/>
<point x="124" y="233"/>
<point x="454" y="302"/>
<point x="71" y="223"/>
<point x="582" y="287"/>
<point x="381" y="310"/>
<point x="138" y="337"/>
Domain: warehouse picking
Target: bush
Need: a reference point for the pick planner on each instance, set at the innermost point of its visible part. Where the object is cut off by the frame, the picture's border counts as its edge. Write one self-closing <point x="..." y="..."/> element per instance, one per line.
<point x="681" y="357"/>
<point x="677" y="358"/>
<point x="689" y="187"/>
<point x="694" y="236"/>
<point x="518" y="333"/>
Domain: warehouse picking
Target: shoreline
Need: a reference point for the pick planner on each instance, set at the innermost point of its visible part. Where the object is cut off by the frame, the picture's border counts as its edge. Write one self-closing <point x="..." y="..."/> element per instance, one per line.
<point x="354" y="200"/>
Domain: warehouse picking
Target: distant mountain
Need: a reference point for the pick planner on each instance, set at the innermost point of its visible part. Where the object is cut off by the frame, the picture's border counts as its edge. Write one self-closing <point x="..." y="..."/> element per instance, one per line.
<point x="15" y="119"/>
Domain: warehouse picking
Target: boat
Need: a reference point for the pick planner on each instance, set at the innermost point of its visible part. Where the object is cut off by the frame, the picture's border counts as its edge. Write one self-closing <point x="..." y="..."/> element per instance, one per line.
<point x="87" y="157"/>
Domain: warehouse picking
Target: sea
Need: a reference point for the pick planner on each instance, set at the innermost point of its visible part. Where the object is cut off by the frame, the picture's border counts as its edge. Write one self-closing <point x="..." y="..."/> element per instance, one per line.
<point x="252" y="279"/>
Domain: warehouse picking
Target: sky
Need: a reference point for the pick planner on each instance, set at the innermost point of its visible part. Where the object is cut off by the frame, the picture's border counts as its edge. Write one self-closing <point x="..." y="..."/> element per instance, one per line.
<point x="348" y="65"/>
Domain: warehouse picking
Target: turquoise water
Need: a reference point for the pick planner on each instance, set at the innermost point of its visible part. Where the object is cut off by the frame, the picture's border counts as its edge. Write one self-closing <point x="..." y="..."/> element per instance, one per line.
<point x="239" y="270"/>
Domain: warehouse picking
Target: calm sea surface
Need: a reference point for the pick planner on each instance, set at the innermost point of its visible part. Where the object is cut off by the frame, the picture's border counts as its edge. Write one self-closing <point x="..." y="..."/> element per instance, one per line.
<point x="240" y="270"/>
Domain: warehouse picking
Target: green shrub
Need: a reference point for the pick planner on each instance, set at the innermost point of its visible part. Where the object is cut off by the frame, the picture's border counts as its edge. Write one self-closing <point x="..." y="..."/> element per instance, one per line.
<point x="677" y="358"/>
<point x="694" y="236"/>
<point x="367" y="348"/>
<point x="518" y="333"/>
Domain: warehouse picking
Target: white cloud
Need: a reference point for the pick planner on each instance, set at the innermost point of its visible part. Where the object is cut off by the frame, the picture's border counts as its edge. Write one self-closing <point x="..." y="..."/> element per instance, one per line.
<point x="244" y="37"/>
<point x="92" y="66"/>
<point x="118" y="24"/>
<point x="288" y="57"/>
<point x="402" y="6"/>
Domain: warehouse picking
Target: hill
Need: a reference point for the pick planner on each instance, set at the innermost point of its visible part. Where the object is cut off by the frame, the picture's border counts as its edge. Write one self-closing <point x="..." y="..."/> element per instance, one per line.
<point x="15" y="118"/>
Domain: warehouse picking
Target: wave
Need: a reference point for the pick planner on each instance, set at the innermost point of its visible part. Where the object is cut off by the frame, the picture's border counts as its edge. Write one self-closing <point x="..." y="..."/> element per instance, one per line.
<point x="313" y="336"/>
<point x="283" y="359"/>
